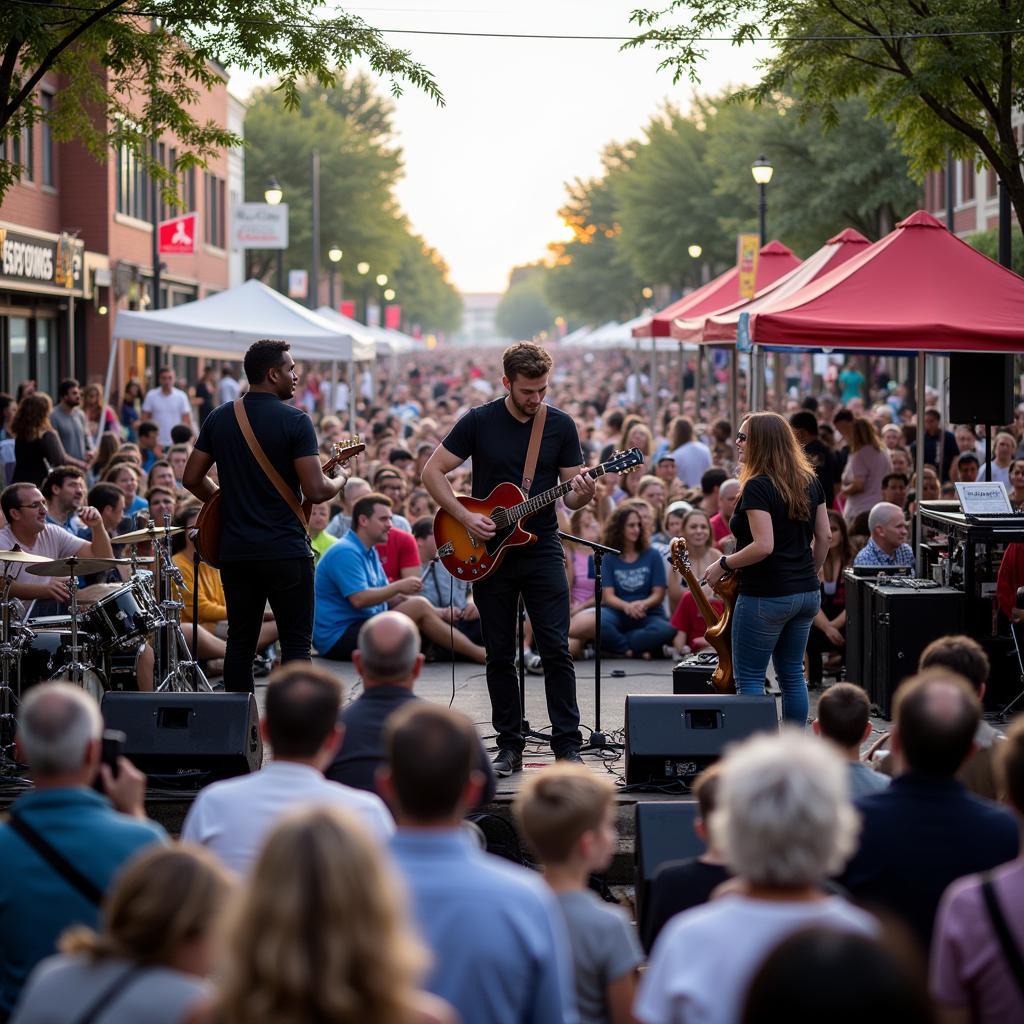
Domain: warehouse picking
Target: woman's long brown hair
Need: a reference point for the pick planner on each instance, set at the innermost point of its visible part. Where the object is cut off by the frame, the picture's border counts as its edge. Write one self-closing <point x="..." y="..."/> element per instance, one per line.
<point x="773" y="451"/>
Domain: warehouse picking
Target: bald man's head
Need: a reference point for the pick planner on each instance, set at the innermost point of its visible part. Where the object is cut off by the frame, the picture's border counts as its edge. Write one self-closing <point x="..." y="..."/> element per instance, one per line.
<point x="355" y="488"/>
<point x="388" y="651"/>
<point x="936" y="716"/>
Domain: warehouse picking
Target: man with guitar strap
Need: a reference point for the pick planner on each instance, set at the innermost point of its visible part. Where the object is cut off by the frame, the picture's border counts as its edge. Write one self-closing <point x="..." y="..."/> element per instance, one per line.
<point x="264" y="552"/>
<point x="500" y="437"/>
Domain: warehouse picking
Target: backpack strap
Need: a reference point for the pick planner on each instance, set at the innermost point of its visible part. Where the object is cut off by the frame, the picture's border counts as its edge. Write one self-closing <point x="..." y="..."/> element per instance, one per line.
<point x="85" y="886"/>
<point x="1011" y="952"/>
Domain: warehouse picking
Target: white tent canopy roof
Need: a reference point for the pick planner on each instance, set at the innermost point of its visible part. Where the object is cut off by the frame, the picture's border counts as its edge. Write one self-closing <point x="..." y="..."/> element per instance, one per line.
<point x="226" y="324"/>
<point x="388" y="341"/>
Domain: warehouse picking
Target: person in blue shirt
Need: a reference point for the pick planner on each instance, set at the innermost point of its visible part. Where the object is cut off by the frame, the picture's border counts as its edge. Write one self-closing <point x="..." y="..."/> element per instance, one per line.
<point x="501" y="950"/>
<point x="633" y="620"/>
<point x="59" y="728"/>
<point x="351" y="586"/>
<point x="887" y="545"/>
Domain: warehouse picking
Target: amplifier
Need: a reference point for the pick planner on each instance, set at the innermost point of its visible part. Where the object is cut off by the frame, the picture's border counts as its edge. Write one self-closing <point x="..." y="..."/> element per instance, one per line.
<point x="693" y="674"/>
<point x="674" y="738"/>
<point x="187" y="739"/>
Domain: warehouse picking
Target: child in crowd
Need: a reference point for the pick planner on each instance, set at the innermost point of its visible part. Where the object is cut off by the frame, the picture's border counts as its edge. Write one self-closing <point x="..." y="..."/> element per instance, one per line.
<point x="566" y="815"/>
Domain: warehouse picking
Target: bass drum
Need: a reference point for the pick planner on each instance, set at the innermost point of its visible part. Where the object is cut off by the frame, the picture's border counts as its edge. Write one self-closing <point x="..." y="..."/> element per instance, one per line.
<point x="46" y="655"/>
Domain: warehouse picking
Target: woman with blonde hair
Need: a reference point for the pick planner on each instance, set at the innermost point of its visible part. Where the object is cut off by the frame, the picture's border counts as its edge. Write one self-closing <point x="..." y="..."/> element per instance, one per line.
<point x="154" y="950"/>
<point x="100" y="417"/>
<point x="322" y="935"/>
<point x="868" y="464"/>
<point x="782" y="538"/>
<point x="696" y="531"/>
<point x="37" y="447"/>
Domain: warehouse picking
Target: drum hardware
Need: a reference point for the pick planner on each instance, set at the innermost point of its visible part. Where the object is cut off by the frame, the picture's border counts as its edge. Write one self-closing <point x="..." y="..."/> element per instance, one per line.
<point x="149" y="534"/>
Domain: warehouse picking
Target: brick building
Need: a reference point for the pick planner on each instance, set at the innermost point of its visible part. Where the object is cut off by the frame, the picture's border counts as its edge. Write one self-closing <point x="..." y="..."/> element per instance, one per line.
<point x="77" y="245"/>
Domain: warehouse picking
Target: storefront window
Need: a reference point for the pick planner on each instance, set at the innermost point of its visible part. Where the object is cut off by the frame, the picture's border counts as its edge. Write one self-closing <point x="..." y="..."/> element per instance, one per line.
<point x="18" y="326"/>
<point x="44" y="357"/>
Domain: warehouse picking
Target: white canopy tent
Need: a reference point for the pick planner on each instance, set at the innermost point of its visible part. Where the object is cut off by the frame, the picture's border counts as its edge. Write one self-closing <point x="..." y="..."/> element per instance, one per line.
<point x="224" y="325"/>
<point x="387" y="340"/>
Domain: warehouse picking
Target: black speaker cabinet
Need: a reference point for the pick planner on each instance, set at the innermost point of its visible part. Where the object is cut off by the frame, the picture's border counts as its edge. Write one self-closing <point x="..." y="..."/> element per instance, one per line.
<point x="693" y="674"/>
<point x="674" y="738"/>
<point x="980" y="388"/>
<point x="664" y="832"/>
<point x="187" y="738"/>
<point x="858" y="621"/>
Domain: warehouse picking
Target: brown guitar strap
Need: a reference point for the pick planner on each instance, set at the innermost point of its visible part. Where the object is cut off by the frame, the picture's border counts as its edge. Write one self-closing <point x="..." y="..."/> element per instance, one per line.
<point x="272" y="474"/>
<point x="532" y="453"/>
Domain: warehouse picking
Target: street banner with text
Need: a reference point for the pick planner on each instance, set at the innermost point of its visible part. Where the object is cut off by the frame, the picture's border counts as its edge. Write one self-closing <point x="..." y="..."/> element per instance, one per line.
<point x="747" y="247"/>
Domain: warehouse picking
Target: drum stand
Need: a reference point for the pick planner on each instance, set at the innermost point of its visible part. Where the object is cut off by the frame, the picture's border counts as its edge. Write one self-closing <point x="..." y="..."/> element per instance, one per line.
<point x="76" y="669"/>
<point x="9" y="653"/>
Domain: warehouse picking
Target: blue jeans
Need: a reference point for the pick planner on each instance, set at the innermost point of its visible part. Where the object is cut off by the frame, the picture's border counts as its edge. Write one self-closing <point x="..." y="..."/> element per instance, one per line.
<point x="620" y="633"/>
<point x="776" y="629"/>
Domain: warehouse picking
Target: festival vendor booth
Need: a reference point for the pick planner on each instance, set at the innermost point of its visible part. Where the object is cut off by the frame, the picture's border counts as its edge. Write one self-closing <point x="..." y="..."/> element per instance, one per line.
<point x="774" y="261"/>
<point x="224" y="325"/>
<point x="918" y="290"/>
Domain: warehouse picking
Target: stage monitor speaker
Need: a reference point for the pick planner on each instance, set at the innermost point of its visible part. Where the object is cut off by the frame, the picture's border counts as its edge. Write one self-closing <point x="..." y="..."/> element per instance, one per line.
<point x="664" y="832"/>
<point x="693" y="674"/>
<point x="187" y="739"/>
<point x="980" y="388"/>
<point x="674" y="738"/>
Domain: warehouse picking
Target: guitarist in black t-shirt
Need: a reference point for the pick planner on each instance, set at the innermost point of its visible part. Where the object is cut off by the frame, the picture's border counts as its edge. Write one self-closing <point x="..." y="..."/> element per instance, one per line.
<point x="265" y="553"/>
<point x="496" y="437"/>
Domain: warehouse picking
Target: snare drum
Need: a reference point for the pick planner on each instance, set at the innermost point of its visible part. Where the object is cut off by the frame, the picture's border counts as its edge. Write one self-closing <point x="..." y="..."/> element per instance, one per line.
<point x="124" y="617"/>
<point x="46" y="654"/>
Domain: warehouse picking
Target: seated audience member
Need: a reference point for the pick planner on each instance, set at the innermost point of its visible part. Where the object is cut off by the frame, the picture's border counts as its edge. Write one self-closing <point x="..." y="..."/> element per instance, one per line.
<point x="350" y="587"/>
<point x="972" y="978"/>
<point x="300" y="722"/>
<point x="828" y="628"/>
<point x="399" y="554"/>
<point x="680" y="885"/>
<point x="64" y="493"/>
<point x="452" y="598"/>
<point x="820" y="974"/>
<point x="148" y="434"/>
<point x="126" y="476"/>
<point x="59" y="730"/>
<point x="390" y="482"/>
<point x="784" y="822"/>
<point x="162" y="502"/>
<point x="319" y="539"/>
<point x="710" y="486"/>
<point x="153" y="953"/>
<point x="520" y="971"/>
<point x="689" y="624"/>
<point x="844" y="718"/>
<point x="177" y="456"/>
<point x="161" y="475"/>
<point x="322" y="933"/>
<point x="925" y="830"/>
<point x="887" y="545"/>
<point x="182" y="434"/>
<point x="728" y="498"/>
<point x="388" y="661"/>
<point x="894" y="489"/>
<point x="355" y="488"/>
<point x="965" y="467"/>
<point x="566" y="815"/>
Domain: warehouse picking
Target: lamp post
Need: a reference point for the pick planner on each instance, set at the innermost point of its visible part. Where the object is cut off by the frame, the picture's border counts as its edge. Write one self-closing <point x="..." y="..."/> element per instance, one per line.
<point x="362" y="269"/>
<point x="272" y="195"/>
<point x="762" y="170"/>
<point x="382" y="281"/>
<point x="334" y="254"/>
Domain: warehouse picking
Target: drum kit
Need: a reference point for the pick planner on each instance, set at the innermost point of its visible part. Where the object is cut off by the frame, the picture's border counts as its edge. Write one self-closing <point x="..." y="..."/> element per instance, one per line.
<point x="98" y="646"/>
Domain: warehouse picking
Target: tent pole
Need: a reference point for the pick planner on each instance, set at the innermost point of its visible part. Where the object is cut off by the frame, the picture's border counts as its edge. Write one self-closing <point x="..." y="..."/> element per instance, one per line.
<point x="734" y="387"/>
<point x="352" y="393"/>
<point x="331" y="408"/>
<point x="698" y="380"/>
<point x="114" y="342"/>
<point x="654" y="386"/>
<point x="919" y="469"/>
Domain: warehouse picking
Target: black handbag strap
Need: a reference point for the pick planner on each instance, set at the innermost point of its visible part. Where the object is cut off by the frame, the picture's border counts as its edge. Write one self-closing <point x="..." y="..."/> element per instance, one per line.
<point x="995" y="912"/>
<point x="89" y="889"/>
<point x="109" y="994"/>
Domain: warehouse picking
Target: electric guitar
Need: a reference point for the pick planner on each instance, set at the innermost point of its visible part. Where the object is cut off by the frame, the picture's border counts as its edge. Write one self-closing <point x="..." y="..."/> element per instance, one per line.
<point x="719" y="631"/>
<point x="471" y="558"/>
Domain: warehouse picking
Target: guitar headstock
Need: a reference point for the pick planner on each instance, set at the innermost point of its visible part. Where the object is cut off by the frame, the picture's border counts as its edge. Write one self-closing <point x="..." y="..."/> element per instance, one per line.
<point x="679" y="553"/>
<point x="624" y="461"/>
<point x="341" y="451"/>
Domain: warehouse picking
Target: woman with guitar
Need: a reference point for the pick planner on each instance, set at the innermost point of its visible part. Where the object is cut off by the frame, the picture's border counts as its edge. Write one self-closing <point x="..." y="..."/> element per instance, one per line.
<point x="782" y="537"/>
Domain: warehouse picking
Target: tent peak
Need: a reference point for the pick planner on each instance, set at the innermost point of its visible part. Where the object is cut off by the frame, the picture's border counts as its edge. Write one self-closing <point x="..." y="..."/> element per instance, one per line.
<point x="776" y="248"/>
<point x="849" y="236"/>
<point x="921" y="219"/>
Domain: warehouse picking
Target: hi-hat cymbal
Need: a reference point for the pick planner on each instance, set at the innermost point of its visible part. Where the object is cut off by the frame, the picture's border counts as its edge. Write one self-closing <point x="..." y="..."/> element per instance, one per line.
<point x="76" y="566"/>
<point x="21" y="556"/>
<point x="148" y="534"/>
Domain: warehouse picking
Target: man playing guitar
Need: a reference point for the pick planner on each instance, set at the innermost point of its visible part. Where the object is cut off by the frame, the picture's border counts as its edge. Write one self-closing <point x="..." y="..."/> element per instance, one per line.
<point x="496" y="436"/>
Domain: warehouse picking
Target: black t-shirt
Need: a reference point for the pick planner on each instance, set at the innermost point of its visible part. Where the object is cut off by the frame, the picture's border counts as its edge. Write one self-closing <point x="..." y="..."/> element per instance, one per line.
<point x="258" y="524"/>
<point x="789" y="569"/>
<point x="678" y="885"/>
<point x="824" y="464"/>
<point x="497" y="442"/>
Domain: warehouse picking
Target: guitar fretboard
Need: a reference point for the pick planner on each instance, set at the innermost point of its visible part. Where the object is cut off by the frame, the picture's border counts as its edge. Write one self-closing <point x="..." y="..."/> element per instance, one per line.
<point x="508" y="516"/>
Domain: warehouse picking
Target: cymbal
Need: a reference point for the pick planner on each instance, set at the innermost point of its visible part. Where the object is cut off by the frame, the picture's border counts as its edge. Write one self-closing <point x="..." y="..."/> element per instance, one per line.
<point x="21" y="556"/>
<point x="147" y="534"/>
<point x="76" y="566"/>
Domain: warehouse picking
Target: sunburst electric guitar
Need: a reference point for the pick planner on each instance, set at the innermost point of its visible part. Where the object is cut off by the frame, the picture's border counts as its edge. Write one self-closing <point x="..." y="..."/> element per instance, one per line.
<point x="471" y="558"/>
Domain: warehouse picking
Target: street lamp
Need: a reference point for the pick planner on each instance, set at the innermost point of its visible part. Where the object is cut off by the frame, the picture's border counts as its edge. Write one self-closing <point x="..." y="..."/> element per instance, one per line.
<point x="334" y="254"/>
<point x="694" y="251"/>
<point x="389" y="295"/>
<point x="273" y="194"/>
<point x="762" y="170"/>
<point x="382" y="279"/>
<point x="362" y="269"/>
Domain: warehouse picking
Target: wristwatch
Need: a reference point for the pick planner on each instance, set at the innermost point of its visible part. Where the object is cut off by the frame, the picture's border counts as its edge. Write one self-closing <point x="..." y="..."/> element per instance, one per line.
<point x="724" y="564"/>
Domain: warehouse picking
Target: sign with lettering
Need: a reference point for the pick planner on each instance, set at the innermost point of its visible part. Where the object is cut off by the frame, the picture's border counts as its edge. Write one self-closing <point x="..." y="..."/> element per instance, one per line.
<point x="259" y="226"/>
<point x="28" y="258"/>
<point x="747" y="247"/>
<point x="178" y="235"/>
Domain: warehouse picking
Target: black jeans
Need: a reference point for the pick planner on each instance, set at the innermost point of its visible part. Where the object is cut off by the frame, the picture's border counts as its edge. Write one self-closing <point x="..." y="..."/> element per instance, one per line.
<point x="287" y="583"/>
<point x="538" y="573"/>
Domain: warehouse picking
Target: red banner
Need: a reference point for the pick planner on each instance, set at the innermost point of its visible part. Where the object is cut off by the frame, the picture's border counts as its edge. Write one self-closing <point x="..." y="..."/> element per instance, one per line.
<point x="348" y="308"/>
<point x="178" y="235"/>
<point x="393" y="317"/>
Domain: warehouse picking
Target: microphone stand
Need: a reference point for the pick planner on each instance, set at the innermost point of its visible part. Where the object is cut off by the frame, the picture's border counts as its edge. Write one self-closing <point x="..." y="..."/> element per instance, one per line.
<point x="598" y="740"/>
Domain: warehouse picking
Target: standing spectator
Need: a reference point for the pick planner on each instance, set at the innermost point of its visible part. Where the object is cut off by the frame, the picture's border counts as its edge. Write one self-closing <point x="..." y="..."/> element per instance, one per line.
<point x="851" y="380"/>
<point x="926" y="830"/>
<point x="937" y="442"/>
<point x="228" y="388"/>
<point x="805" y="426"/>
<point x="153" y="953"/>
<point x="894" y="489"/>
<point x="972" y="976"/>
<point x="520" y="971"/>
<point x="1003" y="450"/>
<point x="37" y="447"/>
<point x="59" y="728"/>
<point x="844" y="718"/>
<point x="69" y="421"/>
<point x="842" y="421"/>
<point x="99" y="417"/>
<point x="692" y="457"/>
<point x="828" y="630"/>
<point x="865" y="469"/>
<point x="108" y="447"/>
<point x="8" y="407"/>
<point x="710" y="485"/>
<point x="965" y="468"/>
<point x="205" y="400"/>
<point x="1016" y="488"/>
<point x="566" y="814"/>
<point x="166" y="406"/>
<point x="131" y="408"/>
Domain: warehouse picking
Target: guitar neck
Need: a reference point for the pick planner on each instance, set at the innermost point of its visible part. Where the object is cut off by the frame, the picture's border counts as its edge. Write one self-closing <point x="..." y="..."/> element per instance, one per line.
<point x="548" y="497"/>
<point x="708" y="614"/>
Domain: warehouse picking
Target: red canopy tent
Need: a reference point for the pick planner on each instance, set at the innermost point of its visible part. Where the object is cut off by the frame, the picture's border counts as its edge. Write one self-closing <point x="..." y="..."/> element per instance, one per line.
<point x="919" y="289"/>
<point x="719" y="326"/>
<point x="773" y="262"/>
